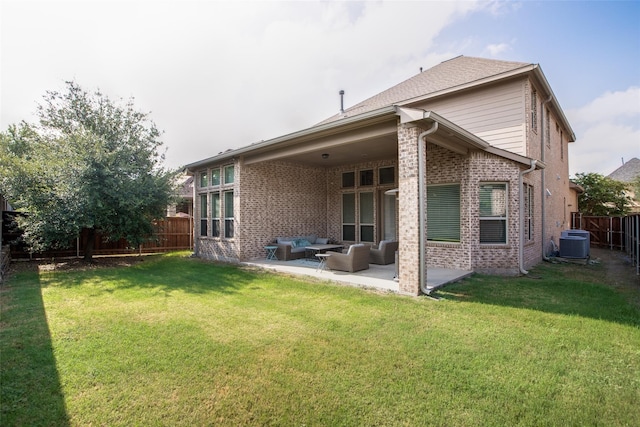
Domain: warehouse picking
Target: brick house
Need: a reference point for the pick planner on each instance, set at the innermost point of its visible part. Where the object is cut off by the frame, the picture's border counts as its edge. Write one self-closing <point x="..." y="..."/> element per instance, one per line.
<point x="466" y="164"/>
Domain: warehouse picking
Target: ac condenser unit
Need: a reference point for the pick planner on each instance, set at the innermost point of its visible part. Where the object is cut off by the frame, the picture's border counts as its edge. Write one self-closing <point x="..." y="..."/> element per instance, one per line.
<point x="579" y="233"/>
<point x="574" y="247"/>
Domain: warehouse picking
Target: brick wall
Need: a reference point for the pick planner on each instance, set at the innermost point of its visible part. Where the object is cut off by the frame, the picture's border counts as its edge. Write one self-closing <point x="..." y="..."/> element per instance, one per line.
<point x="271" y="199"/>
<point x="409" y="256"/>
<point x="280" y="199"/>
<point x="446" y="167"/>
<point x="559" y="201"/>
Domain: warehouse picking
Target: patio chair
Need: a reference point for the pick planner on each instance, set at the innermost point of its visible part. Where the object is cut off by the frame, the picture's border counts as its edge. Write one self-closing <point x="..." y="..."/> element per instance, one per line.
<point x="385" y="253"/>
<point x="356" y="259"/>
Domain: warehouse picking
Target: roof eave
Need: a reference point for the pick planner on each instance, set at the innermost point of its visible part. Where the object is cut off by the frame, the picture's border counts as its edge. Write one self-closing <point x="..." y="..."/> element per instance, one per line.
<point x="449" y="129"/>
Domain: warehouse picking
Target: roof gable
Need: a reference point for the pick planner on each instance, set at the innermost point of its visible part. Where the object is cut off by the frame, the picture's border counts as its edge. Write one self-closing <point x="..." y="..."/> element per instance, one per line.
<point x="447" y="75"/>
<point x="627" y="172"/>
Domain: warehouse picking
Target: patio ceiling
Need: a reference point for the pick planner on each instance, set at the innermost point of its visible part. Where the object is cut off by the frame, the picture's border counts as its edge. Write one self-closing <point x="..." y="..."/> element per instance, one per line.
<point x="377" y="141"/>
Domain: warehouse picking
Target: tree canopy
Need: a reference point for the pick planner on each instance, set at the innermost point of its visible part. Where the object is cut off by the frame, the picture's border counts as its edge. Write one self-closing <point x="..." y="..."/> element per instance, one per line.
<point x="89" y="163"/>
<point x="602" y="195"/>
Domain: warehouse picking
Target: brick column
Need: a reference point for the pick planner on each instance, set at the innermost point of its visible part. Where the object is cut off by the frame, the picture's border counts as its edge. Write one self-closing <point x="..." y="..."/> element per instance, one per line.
<point x="409" y="253"/>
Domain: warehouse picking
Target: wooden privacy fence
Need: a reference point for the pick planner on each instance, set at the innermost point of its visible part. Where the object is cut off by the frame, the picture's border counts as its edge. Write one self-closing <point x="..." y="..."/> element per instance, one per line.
<point x="616" y="232"/>
<point x="605" y="231"/>
<point x="171" y="234"/>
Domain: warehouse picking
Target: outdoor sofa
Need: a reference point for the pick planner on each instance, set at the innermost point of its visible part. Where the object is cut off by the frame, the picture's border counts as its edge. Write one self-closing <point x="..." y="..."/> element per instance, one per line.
<point x="294" y="247"/>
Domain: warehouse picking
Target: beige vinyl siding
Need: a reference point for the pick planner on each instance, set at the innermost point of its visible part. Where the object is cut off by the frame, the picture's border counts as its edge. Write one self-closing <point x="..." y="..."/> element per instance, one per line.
<point x="496" y="114"/>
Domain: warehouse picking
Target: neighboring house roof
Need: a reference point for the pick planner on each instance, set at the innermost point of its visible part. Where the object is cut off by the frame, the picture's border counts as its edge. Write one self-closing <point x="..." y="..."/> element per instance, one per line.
<point x="575" y="187"/>
<point x="462" y="72"/>
<point x="186" y="189"/>
<point x="627" y="172"/>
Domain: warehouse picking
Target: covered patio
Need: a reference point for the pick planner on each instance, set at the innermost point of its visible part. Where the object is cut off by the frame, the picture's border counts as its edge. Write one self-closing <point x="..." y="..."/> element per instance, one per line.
<point x="378" y="277"/>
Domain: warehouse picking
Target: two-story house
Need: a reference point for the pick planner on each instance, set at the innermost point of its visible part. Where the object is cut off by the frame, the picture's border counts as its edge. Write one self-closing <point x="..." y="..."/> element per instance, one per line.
<point x="465" y="164"/>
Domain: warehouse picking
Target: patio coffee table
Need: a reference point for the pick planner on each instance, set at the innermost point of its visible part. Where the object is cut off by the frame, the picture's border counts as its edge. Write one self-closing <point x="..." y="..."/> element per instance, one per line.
<point x="319" y="249"/>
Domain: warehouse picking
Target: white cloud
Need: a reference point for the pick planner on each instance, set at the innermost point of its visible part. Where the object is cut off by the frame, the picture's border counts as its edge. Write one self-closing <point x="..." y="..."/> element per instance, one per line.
<point x="219" y="75"/>
<point x="497" y="49"/>
<point x="607" y="131"/>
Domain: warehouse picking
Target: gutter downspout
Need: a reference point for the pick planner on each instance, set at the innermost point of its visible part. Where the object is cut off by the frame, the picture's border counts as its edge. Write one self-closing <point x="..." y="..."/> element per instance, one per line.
<point x="521" y="209"/>
<point x="542" y="180"/>
<point x="422" y="147"/>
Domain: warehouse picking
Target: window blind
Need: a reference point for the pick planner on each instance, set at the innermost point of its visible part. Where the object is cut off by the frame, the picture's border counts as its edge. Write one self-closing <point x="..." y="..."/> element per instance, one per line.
<point x="443" y="213"/>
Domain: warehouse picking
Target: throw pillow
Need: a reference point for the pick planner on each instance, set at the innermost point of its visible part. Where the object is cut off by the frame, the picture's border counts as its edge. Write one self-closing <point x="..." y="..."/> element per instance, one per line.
<point x="300" y="243"/>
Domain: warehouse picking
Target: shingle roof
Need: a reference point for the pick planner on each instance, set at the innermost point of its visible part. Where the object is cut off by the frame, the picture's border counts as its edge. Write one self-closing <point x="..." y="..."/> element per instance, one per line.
<point x="627" y="172"/>
<point x="446" y="75"/>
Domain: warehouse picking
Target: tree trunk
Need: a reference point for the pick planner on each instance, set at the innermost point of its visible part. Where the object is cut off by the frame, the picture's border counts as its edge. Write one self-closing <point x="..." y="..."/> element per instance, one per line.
<point x="88" y="247"/>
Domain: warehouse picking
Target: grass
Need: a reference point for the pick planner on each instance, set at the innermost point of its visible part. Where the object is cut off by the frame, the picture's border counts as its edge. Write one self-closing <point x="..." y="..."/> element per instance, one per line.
<point x="177" y="341"/>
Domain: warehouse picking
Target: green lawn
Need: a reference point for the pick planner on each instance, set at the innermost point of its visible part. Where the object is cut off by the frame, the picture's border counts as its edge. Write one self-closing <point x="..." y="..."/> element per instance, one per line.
<point x="176" y="341"/>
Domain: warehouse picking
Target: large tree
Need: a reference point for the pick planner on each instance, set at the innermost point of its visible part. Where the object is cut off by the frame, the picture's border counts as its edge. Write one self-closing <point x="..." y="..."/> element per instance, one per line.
<point x="602" y="195"/>
<point x="89" y="162"/>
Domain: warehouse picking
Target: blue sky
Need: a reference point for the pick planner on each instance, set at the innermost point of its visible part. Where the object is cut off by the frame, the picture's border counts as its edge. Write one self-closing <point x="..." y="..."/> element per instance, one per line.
<point x="218" y="75"/>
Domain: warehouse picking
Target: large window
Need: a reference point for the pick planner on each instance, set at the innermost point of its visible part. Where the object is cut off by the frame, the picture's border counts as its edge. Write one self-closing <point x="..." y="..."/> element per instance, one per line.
<point x="215" y="214"/>
<point x="366" y="217"/>
<point x="349" y="217"/>
<point x="216" y="207"/>
<point x="228" y="214"/>
<point x="443" y="213"/>
<point x="493" y="213"/>
<point x="203" y="215"/>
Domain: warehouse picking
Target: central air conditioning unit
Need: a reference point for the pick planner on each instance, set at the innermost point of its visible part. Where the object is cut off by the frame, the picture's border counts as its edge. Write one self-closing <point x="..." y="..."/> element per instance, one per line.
<point x="584" y="246"/>
<point x="580" y="233"/>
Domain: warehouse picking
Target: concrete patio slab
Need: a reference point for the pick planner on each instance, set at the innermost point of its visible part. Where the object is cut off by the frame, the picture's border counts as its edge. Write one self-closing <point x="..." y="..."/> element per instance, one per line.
<point x="379" y="277"/>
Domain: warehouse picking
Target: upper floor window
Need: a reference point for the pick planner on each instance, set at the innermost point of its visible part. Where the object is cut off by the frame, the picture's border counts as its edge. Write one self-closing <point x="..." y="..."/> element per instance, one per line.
<point x="204" y="182"/>
<point x="228" y="174"/>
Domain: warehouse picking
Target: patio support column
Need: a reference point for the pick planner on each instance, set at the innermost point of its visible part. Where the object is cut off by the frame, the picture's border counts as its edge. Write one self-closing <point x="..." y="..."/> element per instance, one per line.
<point x="408" y="218"/>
